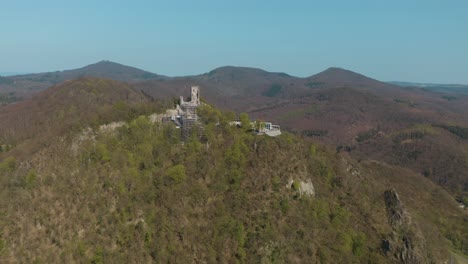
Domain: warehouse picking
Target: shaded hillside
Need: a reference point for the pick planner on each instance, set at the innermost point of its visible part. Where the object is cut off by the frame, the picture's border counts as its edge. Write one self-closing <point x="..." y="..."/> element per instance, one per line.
<point x="70" y="105"/>
<point x="431" y="151"/>
<point x="242" y="81"/>
<point x="6" y="81"/>
<point x="233" y="88"/>
<point x="139" y="195"/>
<point x="28" y="84"/>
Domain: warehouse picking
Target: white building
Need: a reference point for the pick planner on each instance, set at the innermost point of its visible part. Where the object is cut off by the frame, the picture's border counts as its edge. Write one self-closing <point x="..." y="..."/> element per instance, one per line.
<point x="265" y="128"/>
<point x="269" y="129"/>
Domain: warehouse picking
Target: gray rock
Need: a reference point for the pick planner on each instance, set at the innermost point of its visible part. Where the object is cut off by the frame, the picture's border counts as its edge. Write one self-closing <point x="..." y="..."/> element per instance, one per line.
<point x="396" y="212"/>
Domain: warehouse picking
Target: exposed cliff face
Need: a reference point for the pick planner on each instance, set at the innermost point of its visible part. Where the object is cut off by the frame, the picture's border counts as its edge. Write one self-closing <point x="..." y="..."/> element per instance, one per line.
<point x="303" y="188"/>
<point x="397" y="215"/>
<point x="405" y="243"/>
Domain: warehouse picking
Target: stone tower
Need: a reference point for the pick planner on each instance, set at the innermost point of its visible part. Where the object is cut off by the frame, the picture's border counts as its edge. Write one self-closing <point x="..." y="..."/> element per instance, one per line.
<point x="195" y="97"/>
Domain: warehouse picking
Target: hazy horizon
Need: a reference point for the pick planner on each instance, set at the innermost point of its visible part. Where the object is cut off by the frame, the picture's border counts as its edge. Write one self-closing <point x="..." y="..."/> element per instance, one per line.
<point x="12" y="73"/>
<point x="389" y="41"/>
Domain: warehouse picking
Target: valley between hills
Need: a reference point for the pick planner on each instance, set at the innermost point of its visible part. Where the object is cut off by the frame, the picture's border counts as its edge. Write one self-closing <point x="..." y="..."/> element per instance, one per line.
<point x="388" y="164"/>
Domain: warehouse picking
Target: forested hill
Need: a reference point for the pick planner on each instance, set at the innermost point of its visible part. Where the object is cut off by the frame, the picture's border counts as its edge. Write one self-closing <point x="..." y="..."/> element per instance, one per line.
<point x="66" y="108"/>
<point x="139" y="194"/>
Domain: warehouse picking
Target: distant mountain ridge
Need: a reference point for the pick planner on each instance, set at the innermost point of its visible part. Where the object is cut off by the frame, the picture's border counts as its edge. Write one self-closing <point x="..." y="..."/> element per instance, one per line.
<point x="27" y="84"/>
<point x="426" y="84"/>
<point x="103" y="69"/>
<point x="5" y="74"/>
<point x="443" y="88"/>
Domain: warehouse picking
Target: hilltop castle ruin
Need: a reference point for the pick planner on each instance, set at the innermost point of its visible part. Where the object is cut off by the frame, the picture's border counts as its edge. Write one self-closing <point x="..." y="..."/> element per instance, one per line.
<point x="184" y="116"/>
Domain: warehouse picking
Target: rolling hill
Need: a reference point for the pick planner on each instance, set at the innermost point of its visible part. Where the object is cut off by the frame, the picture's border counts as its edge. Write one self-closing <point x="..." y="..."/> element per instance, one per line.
<point x="332" y="92"/>
<point x="68" y="107"/>
<point x="140" y="194"/>
<point x="343" y="109"/>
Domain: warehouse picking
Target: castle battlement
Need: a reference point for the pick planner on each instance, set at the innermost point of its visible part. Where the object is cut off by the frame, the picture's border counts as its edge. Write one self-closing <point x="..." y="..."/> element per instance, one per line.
<point x="184" y="115"/>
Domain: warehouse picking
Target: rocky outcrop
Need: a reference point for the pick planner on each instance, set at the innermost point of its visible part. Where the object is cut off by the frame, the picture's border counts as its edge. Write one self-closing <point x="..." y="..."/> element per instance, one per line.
<point x="397" y="215"/>
<point x="401" y="244"/>
<point x="108" y="128"/>
<point x="86" y="134"/>
<point x="386" y="246"/>
<point x="304" y="188"/>
<point x="406" y="252"/>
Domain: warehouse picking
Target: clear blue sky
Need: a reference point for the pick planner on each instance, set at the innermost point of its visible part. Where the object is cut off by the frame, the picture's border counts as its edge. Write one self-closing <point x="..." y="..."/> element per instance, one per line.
<point x="408" y="40"/>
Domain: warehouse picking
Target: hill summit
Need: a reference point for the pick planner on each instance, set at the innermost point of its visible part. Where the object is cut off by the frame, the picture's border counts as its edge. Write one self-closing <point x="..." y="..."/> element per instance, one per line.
<point x="110" y="70"/>
<point x="335" y="76"/>
<point x="64" y="107"/>
<point x="28" y="84"/>
<point x="139" y="193"/>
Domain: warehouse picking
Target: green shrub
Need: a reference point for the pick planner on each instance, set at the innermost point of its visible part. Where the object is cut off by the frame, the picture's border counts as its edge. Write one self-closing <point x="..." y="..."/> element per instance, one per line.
<point x="313" y="150"/>
<point x="245" y="121"/>
<point x="284" y="206"/>
<point x="276" y="183"/>
<point x="176" y="174"/>
<point x="339" y="216"/>
<point x="323" y="254"/>
<point x="465" y="200"/>
<point x="8" y="165"/>
<point x="346" y="245"/>
<point x="2" y="246"/>
<point x="102" y="154"/>
<point x="359" y="243"/>
<point x="29" y="181"/>
<point x="295" y="185"/>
